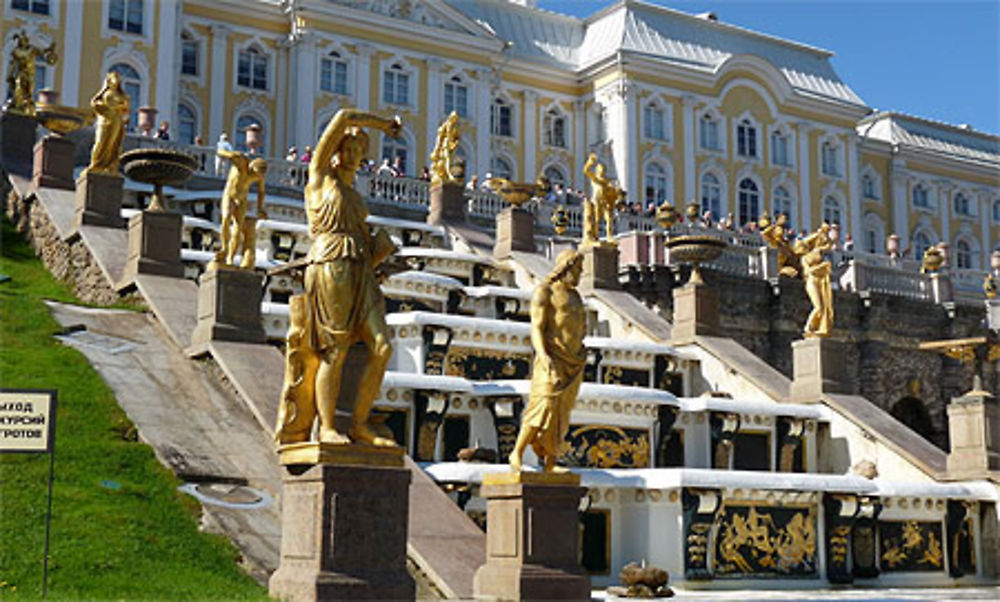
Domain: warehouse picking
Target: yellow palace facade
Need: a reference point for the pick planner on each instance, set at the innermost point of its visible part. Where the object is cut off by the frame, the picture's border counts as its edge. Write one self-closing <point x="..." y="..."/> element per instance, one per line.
<point x="679" y="106"/>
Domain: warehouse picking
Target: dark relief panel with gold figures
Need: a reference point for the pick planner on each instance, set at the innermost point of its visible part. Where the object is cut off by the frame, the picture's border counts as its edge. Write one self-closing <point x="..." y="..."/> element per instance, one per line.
<point x="765" y="541"/>
<point x="910" y="546"/>
<point x="617" y="375"/>
<point x="606" y="446"/>
<point x="487" y="364"/>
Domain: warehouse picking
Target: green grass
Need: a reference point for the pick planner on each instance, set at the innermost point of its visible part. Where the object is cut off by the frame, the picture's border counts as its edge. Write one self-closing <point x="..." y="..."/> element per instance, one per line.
<point x="139" y="542"/>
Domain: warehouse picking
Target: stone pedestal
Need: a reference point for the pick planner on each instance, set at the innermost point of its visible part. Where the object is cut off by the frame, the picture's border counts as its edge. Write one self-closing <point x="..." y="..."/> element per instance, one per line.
<point x="696" y="312"/>
<point x="556" y="245"/>
<point x="974" y="434"/>
<point x="600" y="266"/>
<point x="819" y="366"/>
<point x="154" y="246"/>
<point x="515" y="232"/>
<point x="17" y="139"/>
<point x="532" y="538"/>
<point x="228" y="307"/>
<point x="447" y="204"/>
<point x="99" y="200"/>
<point x="53" y="166"/>
<point x="344" y="531"/>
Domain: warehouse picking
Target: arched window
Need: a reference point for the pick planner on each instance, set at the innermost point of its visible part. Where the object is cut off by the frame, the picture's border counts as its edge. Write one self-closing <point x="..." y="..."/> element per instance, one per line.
<point x="708" y="130"/>
<point x="125" y="15"/>
<point x="501" y="168"/>
<point x="456" y="97"/>
<point x="396" y="85"/>
<point x="749" y="201"/>
<point x="189" y="54"/>
<point x="783" y="204"/>
<point x="393" y="148"/>
<point x="242" y="123"/>
<point x="656" y="184"/>
<point x="132" y="84"/>
<point x="874" y="234"/>
<point x="654" y="122"/>
<point x="333" y="73"/>
<point x="554" y="128"/>
<point x="711" y="195"/>
<point x="961" y="203"/>
<point x="252" y="69"/>
<point x="963" y="254"/>
<point x="830" y="163"/>
<point x="831" y="211"/>
<point x="920" y="198"/>
<point x="921" y="242"/>
<point x="187" y="124"/>
<point x="868" y="187"/>
<point x="555" y="175"/>
<point x="746" y="139"/>
<point x="501" y="118"/>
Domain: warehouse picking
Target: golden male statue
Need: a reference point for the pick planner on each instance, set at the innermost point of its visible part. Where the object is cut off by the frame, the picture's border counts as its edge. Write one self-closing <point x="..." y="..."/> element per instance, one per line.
<point x="243" y="173"/>
<point x="112" y="107"/>
<point x="445" y="147"/>
<point x="601" y="205"/>
<point x="21" y="72"/>
<point x="558" y="325"/>
<point x="342" y="303"/>
<point x="817" y="272"/>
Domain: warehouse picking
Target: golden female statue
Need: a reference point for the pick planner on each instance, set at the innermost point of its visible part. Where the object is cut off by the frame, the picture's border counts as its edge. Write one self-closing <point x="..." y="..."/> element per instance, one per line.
<point x="817" y="272"/>
<point x="558" y="325"/>
<point x="775" y="236"/>
<point x="342" y="303"/>
<point x="112" y="107"/>
<point x="601" y="205"/>
<point x="443" y="155"/>
<point x="243" y="173"/>
<point x="21" y="72"/>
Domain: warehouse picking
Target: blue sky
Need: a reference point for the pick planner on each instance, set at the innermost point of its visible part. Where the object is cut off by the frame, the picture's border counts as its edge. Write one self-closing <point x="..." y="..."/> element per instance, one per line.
<point x="935" y="59"/>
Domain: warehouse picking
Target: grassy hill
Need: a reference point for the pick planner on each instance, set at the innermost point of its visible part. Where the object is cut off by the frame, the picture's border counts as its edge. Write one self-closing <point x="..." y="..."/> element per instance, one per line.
<point x="120" y="528"/>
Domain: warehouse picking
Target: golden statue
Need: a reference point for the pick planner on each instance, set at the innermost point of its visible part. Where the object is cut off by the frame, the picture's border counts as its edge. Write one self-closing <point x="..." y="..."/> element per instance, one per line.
<point x="443" y="165"/>
<point x="518" y="193"/>
<point x="558" y="325"/>
<point x="243" y="173"/>
<point x="607" y="194"/>
<point x="21" y="72"/>
<point x="112" y="107"/>
<point x="817" y="271"/>
<point x="932" y="261"/>
<point x="775" y="234"/>
<point x="342" y="303"/>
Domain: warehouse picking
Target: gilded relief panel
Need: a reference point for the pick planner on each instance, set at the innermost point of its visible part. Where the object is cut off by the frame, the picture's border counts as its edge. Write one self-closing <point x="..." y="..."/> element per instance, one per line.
<point x="606" y="446"/>
<point x="486" y="364"/>
<point x="764" y="541"/>
<point x="910" y="546"/>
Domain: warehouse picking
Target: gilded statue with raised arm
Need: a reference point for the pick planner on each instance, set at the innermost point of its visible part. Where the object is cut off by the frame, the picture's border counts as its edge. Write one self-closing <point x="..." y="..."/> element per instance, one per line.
<point x="243" y="173"/>
<point x="111" y="105"/>
<point x="817" y="271"/>
<point x="443" y="168"/>
<point x="605" y="196"/>
<point x="558" y="325"/>
<point x="21" y="72"/>
<point x="775" y="234"/>
<point x="342" y="303"/>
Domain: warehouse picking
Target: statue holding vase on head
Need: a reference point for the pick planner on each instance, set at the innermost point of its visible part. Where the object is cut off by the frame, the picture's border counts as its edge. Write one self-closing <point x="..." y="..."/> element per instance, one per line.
<point x="111" y="105"/>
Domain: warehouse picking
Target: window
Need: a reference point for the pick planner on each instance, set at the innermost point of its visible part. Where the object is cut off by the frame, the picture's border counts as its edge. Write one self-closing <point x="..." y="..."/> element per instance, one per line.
<point x="708" y="130"/>
<point x="555" y="129"/>
<point x="125" y="15"/>
<point x="868" y="187"/>
<point x="189" y="55"/>
<point x="456" y="98"/>
<point x="41" y="76"/>
<point x="996" y="211"/>
<point x="393" y="148"/>
<point x="963" y="255"/>
<point x="654" y="122"/>
<point x="921" y="242"/>
<point x="711" y="195"/>
<point x="746" y="139"/>
<point x="656" y="184"/>
<point x="829" y="159"/>
<point x="831" y="211"/>
<point x="749" y="201"/>
<point x="783" y="204"/>
<point x="395" y="86"/>
<point x="252" y="69"/>
<point x="501" y="168"/>
<point x="242" y="124"/>
<point x="333" y="74"/>
<point x="555" y="175"/>
<point x="920" y="198"/>
<point x="779" y="149"/>
<point x="39" y="7"/>
<point x="187" y="124"/>
<point x="501" y="122"/>
<point x="961" y="204"/>
<point x="871" y="241"/>
<point x="132" y="85"/>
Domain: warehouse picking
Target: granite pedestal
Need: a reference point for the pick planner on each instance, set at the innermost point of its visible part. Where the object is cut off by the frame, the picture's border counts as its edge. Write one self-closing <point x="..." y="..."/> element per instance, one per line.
<point x="696" y="312"/>
<point x="515" y="232"/>
<point x="344" y="526"/>
<point x="154" y="246"/>
<point x="532" y="538"/>
<point x="974" y="435"/>
<point x="17" y="139"/>
<point x="600" y="266"/>
<point x="99" y="200"/>
<point x="228" y="307"/>
<point x="447" y="204"/>
<point x="819" y="365"/>
<point x="53" y="164"/>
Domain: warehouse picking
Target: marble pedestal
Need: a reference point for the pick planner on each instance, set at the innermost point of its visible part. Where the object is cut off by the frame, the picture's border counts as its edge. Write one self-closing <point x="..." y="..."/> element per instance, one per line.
<point x="696" y="312"/>
<point x="819" y="366"/>
<point x="344" y="526"/>
<point x="228" y="307"/>
<point x="17" y="139"/>
<point x="974" y="436"/>
<point x="515" y="232"/>
<point x="600" y="266"/>
<point x="154" y="246"/>
<point x="53" y="164"/>
<point x="99" y="200"/>
<point x="532" y="538"/>
<point x="447" y="204"/>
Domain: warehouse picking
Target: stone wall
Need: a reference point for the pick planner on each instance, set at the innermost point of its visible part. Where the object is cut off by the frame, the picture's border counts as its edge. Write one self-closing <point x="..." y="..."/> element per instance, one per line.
<point x="883" y="331"/>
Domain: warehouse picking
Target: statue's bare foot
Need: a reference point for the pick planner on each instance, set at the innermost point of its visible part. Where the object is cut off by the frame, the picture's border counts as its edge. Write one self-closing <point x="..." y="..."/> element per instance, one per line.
<point x="558" y="470"/>
<point x="360" y="433"/>
<point x="327" y="435"/>
<point x="515" y="462"/>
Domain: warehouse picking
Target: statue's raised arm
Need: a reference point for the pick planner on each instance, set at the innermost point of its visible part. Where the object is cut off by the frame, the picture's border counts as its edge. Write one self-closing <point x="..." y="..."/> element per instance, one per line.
<point x="347" y="121"/>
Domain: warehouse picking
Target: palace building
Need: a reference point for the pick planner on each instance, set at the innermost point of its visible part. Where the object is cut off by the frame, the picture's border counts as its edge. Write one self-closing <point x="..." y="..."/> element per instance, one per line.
<point x="679" y="106"/>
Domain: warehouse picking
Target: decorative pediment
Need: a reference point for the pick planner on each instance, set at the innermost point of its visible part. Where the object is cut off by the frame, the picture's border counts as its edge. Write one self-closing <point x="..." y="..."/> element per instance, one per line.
<point x="432" y="13"/>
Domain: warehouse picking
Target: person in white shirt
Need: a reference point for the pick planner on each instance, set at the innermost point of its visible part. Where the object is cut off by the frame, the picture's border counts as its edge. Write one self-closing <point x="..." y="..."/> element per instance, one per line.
<point x="222" y="145"/>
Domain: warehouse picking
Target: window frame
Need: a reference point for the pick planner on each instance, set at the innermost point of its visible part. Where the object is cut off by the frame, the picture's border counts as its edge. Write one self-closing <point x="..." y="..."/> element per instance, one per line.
<point x="720" y="195"/>
<point x="744" y="194"/>
<point x="456" y="84"/>
<point x="497" y="107"/>
<point x="180" y="122"/>
<point x="335" y="60"/>
<point x="926" y="204"/>
<point x="648" y="132"/>
<point x="127" y="12"/>
<point x="661" y="176"/>
<point x="779" y="133"/>
<point x="30" y="7"/>
<point x="188" y="40"/>
<point x="239" y="132"/>
<point x="127" y="81"/>
<point x="832" y="201"/>
<point x="830" y="158"/>
<point x="747" y="138"/>
<point x="555" y="122"/>
<point x="707" y="118"/>
<point x="787" y="198"/>
<point x="396" y="72"/>
<point x="255" y="56"/>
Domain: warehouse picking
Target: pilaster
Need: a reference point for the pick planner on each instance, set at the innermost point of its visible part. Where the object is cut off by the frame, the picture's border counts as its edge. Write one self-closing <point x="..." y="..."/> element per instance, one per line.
<point x="531" y="132"/>
<point x="435" y="100"/>
<point x="687" y="112"/>
<point x="72" y="53"/>
<point x="363" y="71"/>
<point x="579" y="141"/>
<point x="217" y="92"/>
<point x="854" y="190"/>
<point x="900" y="191"/>
<point x="303" y="70"/>
<point x="483" y="108"/>
<point x="943" y="191"/>
<point x="167" y="71"/>
<point x="804" y="165"/>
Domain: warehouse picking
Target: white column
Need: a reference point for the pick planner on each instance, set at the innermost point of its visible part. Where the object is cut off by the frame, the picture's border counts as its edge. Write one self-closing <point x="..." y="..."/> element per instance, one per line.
<point x="943" y="191"/>
<point x="304" y="87"/>
<point x="72" y="55"/>
<point x="621" y="131"/>
<point x="985" y="214"/>
<point x="435" y="100"/>
<point x="854" y="189"/>
<point x="900" y="203"/>
<point x="579" y="142"/>
<point x="363" y="89"/>
<point x="219" y="83"/>
<point x="283" y="124"/>
<point x="167" y="72"/>
<point x="805" y="193"/>
<point x="484" y="103"/>
<point x="531" y="136"/>
<point x="631" y="121"/>
<point x="687" y="114"/>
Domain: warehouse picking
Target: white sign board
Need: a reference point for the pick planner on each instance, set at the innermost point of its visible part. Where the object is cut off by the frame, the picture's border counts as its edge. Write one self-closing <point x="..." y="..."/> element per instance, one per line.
<point x="27" y="421"/>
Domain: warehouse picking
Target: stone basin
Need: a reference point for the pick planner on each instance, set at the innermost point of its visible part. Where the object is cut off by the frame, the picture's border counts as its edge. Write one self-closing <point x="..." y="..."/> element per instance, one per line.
<point x="158" y="166"/>
<point x="695" y="249"/>
<point x="60" y="119"/>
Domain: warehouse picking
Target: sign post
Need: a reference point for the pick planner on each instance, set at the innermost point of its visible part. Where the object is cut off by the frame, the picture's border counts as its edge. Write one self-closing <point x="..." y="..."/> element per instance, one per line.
<point x="28" y="426"/>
